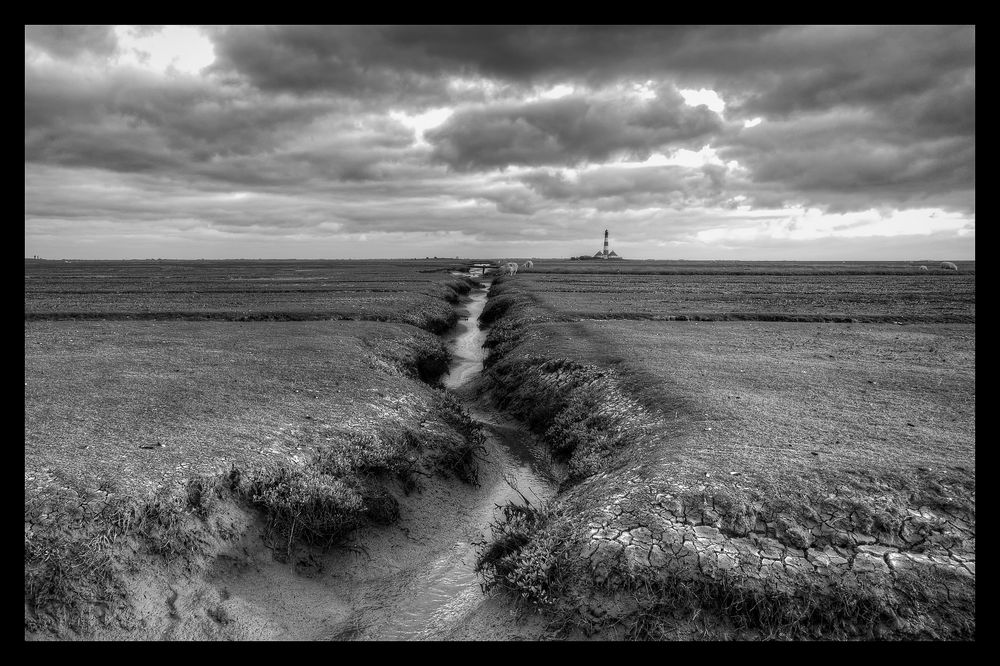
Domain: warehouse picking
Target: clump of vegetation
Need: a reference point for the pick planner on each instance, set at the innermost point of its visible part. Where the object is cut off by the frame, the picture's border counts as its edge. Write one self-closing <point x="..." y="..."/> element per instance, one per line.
<point x="305" y="505"/>
<point x="435" y="315"/>
<point x="345" y="485"/>
<point x="576" y="425"/>
<point x="496" y="307"/>
<point x="459" y="287"/>
<point x="532" y="558"/>
<point x="74" y="571"/>
<point x="742" y="607"/>
<point x="503" y="336"/>
<point x="566" y="413"/>
<point x="521" y="557"/>
<point x="67" y="581"/>
<point x="424" y="357"/>
<point x="462" y="458"/>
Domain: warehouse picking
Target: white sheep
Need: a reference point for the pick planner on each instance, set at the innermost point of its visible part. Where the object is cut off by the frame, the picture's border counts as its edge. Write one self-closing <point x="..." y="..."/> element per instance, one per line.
<point x="528" y="264"/>
<point x="511" y="268"/>
<point x="948" y="266"/>
<point x="923" y="268"/>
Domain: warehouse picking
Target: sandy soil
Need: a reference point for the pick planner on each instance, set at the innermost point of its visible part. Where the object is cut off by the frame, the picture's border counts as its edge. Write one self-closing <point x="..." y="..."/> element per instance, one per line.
<point x="410" y="581"/>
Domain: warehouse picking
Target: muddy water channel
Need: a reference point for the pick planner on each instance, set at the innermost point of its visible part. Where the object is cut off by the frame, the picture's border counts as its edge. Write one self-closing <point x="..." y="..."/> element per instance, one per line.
<point x="414" y="580"/>
<point x="427" y="602"/>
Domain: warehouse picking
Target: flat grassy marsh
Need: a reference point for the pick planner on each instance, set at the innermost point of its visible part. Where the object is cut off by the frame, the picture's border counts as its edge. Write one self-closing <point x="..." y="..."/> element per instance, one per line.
<point x="155" y="444"/>
<point x="781" y="475"/>
<point x="733" y="267"/>
<point x="773" y="450"/>
<point x="827" y="296"/>
<point x="839" y="398"/>
<point x="412" y="292"/>
<point x="136" y="400"/>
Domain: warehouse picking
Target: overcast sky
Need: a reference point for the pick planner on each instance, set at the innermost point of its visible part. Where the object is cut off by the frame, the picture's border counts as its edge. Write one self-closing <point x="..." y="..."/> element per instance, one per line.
<point x="709" y="142"/>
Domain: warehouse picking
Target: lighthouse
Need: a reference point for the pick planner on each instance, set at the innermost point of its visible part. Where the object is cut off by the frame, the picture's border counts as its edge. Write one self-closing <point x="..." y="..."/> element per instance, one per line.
<point x="606" y="253"/>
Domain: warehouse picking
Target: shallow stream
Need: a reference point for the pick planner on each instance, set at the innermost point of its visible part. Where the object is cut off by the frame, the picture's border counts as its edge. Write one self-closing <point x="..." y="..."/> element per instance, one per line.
<point x="428" y="601"/>
<point x="425" y="602"/>
<point x="414" y="580"/>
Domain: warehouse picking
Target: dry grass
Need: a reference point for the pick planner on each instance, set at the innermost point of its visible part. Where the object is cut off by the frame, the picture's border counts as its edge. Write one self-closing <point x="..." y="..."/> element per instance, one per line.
<point x="560" y="266"/>
<point x="832" y="297"/>
<point x="800" y="404"/>
<point x="409" y="292"/>
<point x="802" y="400"/>
<point x="141" y="403"/>
<point x="765" y="421"/>
<point x="138" y="432"/>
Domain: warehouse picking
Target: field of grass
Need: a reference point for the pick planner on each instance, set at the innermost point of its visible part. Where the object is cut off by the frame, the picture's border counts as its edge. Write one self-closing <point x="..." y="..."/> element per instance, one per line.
<point x="413" y="292"/>
<point x="773" y="477"/>
<point x="141" y="436"/>
<point x="750" y="450"/>
<point x="777" y="297"/>
<point x="728" y="267"/>
<point x="212" y="393"/>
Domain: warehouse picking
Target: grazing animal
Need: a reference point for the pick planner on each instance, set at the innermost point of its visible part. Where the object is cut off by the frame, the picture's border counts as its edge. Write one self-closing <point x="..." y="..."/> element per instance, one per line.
<point x="923" y="268"/>
<point x="511" y="268"/>
<point x="948" y="266"/>
<point x="528" y="264"/>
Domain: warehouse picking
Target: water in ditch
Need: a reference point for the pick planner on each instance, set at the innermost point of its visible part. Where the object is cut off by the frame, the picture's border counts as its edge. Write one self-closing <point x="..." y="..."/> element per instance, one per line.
<point x="414" y="580"/>
<point x="428" y="600"/>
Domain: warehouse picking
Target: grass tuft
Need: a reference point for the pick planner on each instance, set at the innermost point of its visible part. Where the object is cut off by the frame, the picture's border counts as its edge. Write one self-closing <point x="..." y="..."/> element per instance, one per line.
<point x="461" y="459"/>
<point x="519" y="559"/>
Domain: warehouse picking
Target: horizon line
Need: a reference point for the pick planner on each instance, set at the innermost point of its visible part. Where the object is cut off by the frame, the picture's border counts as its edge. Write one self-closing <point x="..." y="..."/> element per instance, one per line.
<point x="575" y="258"/>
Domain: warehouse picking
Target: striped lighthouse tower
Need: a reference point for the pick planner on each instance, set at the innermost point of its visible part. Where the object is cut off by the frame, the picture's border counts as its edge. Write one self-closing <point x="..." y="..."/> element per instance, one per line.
<point x="605" y="253"/>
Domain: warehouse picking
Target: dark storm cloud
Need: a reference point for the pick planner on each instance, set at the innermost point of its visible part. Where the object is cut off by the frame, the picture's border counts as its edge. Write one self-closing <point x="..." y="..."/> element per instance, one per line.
<point x="774" y="69"/>
<point x="569" y="130"/>
<point x="128" y="199"/>
<point x="624" y="188"/>
<point x="855" y="116"/>
<point x="318" y="128"/>
<point x="68" y="41"/>
<point x="810" y="68"/>
<point x="514" y="200"/>
<point x="186" y="126"/>
<point x="382" y="59"/>
<point x="352" y="60"/>
<point x="916" y="83"/>
<point x="191" y="116"/>
<point x="946" y="110"/>
<point x="861" y="156"/>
